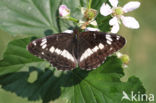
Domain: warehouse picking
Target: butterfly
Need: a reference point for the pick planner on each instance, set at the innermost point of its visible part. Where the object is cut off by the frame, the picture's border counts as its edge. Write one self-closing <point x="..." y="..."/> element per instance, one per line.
<point x="66" y="51"/>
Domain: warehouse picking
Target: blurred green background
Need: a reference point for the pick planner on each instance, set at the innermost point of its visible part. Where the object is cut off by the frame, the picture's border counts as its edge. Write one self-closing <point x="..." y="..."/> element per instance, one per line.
<point x="141" y="47"/>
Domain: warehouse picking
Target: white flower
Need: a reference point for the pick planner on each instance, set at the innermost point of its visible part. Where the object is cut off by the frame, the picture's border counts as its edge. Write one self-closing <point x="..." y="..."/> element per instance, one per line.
<point x="64" y="11"/>
<point x="117" y="14"/>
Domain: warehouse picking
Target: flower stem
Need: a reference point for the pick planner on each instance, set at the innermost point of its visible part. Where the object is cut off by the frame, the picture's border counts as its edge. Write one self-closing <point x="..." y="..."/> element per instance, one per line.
<point x="90" y="3"/>
<point x="93" y="26"/>
<point x="73" y="19"/>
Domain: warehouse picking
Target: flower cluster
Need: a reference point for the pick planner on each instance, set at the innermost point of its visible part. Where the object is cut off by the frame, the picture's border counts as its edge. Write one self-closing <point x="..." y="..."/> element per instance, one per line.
<point x="117" y="13"/>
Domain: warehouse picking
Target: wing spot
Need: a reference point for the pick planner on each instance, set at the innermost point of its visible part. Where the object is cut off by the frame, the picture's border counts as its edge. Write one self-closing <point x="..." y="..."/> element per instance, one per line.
<point x="118" y="37"/>
<point x="58" y="51"/>
<point x="52" y="49"/>
<point x="101" y="46"/>
<point x="44" y="46"/>
<point x="34" y="43"/>
<point x="64" y="53"/>
<point x="109" y="42"/>
<point x="109" y="38"/>
<point x="95" y="49"/>
<point x="67" y="55"/>
<point x="44" y="41"/>
<point x="87" y="53"/>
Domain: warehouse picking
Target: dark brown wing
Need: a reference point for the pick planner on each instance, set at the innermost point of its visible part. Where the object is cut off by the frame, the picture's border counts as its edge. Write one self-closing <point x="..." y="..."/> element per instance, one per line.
<point x="94" y="47"/>
<point x="57" y="49"/>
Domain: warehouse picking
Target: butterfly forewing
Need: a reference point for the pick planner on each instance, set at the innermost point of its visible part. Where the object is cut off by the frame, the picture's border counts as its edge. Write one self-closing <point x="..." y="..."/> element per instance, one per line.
<point x="57" y="49"/>
<point x="94" y="47"/>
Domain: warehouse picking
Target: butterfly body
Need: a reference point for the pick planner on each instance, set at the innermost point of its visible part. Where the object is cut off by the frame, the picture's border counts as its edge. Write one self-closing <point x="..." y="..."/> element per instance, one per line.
<point x="86" y="49"/>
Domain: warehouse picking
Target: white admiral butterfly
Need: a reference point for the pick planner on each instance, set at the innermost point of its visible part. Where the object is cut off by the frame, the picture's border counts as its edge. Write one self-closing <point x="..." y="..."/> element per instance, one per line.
<point x="88" y="49"/>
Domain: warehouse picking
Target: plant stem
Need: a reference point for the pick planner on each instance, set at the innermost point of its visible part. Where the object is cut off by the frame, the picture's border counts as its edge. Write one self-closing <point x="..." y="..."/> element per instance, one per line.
<point x="90" y="3"/>
<point x="73" y="19"/>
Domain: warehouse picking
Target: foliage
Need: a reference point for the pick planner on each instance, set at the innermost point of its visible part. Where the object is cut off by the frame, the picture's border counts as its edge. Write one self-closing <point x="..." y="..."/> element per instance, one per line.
<point x="102" y="84"/>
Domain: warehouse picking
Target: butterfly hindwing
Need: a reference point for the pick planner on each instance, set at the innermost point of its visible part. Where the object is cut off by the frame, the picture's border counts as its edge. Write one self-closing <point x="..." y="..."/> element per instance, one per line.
<point x="94" y="47"/>
<point x="57" y="49"/>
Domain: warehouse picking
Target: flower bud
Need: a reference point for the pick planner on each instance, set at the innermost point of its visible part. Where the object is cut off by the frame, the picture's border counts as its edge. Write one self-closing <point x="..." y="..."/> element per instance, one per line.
<point x="125" y="58"/>
<point x="89" y="14"/>
<point x="64" y="11"/>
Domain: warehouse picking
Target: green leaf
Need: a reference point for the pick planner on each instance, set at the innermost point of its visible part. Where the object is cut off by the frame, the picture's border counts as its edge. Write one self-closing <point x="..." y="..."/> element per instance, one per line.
<point x="34" y="17"/>
<point x="96" y="4"/>
<point x="103" y="23"/>
<point x="17" y="57"/>
<point x="102" y="85"/>
<point x="28" y="16"/>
